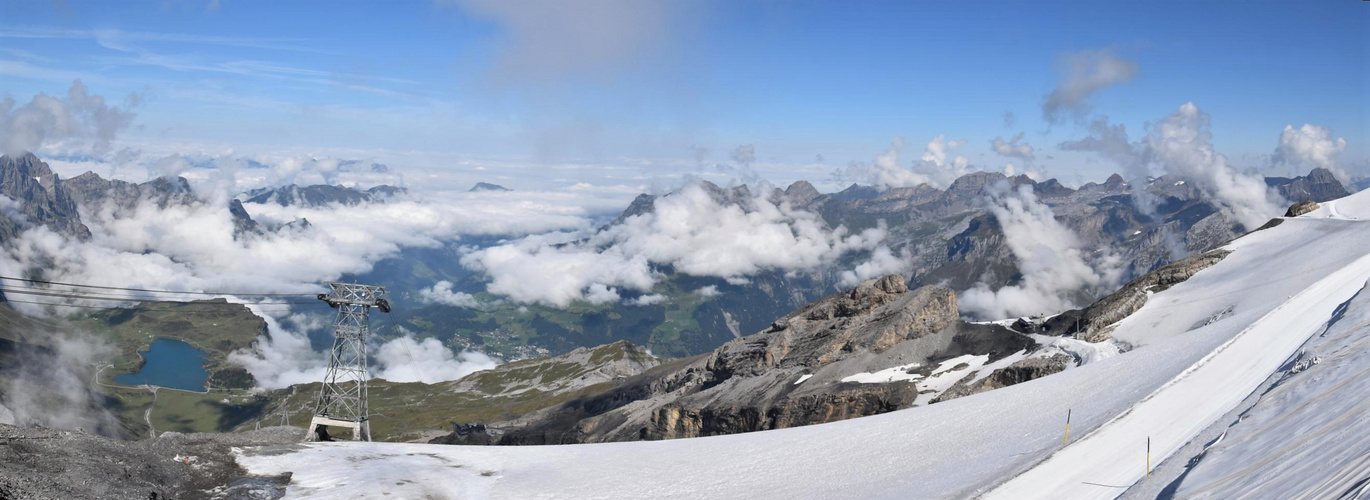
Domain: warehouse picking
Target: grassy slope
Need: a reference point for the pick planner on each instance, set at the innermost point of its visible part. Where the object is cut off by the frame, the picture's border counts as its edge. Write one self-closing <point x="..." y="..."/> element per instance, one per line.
<point x="399" y="410"/>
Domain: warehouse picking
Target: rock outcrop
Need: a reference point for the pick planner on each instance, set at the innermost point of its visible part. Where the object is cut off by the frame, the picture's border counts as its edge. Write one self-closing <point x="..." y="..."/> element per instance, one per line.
<point x="798" y="371"/>
<point x="1301" y="208"/>
<point x="37" y="198"/>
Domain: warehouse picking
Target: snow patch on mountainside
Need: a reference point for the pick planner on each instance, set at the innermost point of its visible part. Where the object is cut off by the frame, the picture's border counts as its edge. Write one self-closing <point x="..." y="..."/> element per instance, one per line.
<point x="896" y="374"/>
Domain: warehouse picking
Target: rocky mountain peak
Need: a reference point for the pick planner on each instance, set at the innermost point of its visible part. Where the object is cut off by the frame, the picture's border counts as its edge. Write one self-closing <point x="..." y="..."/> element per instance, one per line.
<point x="1319" y="185"/>
<point x="485" y="186"/>
<point x="41" y="194"/>
<point x="1114" y="183"/>
<point x="802" y="193"/>
<point x="972" y="183"/>
<point x="319" y="195"/>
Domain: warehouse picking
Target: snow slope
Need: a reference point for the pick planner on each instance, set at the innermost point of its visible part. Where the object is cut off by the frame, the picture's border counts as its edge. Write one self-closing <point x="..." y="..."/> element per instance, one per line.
<point x="1200" y="347"/>
<point x="1309" y="435"/>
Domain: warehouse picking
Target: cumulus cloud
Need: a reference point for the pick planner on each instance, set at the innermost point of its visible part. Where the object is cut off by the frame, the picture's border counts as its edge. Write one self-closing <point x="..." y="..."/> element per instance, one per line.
<point x="708" y="291"/>
<point x="1310" y="145"/>
<point x="441" y="293"/>
<point x="406" y="359"/>
<point x="1083" y="74"/>
<point x="1050" y="258"/>
<point x="646" y="300"/>
<point x="284" y="357"/>
<point x="690" y="230"/>
<point x="882" y="262"/>
<point x="81" y="120"/>
<point x="938" y="167"/>
<point x="169" y="166"/>
<point x="1183" y="144"/>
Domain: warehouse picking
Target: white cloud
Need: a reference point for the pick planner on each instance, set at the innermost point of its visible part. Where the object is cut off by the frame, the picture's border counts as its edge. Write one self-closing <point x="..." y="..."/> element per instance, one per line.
<point x="283" y="357"/>
<point x="882" y="262"/>
<point x="937" y="167"/>
<point x="688" y="230"/>
<point x="1050" y="258"/>
<point x="708" y="291"/>
<point x="939" y="164"/>
<point x="1083" y="74"/>
<point x="1183" y="144"/>
<point x="441" y="293"/>
<point x="1310" y="145"/>
<point x="1012" y="148"/>
<point x="406" y="359"/>
<point x="83" y="119"/>
<point x="646" y="300"/>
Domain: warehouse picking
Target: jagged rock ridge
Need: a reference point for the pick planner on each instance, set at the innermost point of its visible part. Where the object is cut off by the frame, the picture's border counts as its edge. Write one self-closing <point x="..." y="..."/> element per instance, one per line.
<point x="790" y="374"/>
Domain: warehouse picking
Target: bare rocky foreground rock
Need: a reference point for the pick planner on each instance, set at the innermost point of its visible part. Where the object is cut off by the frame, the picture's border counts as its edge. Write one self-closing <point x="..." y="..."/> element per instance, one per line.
<point x="790" y="374"/>
<point x="39" y="463"/>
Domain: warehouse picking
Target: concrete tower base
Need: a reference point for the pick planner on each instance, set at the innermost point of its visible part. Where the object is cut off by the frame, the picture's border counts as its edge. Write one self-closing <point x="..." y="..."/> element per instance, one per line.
<point x="361" y="431"/>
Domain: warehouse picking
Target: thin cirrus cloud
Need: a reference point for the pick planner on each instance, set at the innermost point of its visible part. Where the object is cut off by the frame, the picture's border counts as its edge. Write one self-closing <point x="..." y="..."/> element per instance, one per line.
<point x="1082" y="75"/>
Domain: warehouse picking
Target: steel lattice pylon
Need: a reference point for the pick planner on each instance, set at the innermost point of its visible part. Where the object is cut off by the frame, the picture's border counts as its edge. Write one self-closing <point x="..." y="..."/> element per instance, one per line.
<point x="342" y="399"/>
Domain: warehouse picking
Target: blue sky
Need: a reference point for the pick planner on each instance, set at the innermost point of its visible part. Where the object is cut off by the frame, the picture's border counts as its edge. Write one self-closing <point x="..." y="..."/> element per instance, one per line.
<point x="651" y="83"/>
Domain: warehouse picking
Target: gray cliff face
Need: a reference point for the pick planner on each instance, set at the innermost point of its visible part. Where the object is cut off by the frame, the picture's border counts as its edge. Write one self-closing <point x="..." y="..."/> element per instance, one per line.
<point x="1319" y="185"/>
<point x="41" y="197"/>
<point x="243" y="225"/>
<point x="1301" y="208"/>
<point x="121" y="197"/>
<point x="789" y="374"/>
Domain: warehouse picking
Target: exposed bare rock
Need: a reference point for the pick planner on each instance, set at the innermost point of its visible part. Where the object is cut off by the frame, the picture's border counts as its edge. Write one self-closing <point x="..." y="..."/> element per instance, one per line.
<point x="96" y="193"/>
<point x="41" y="197"/>
<point x="1018" y="372"/>
<point x="787" y="375"/>
<point x="1301" y="208"/>
<point x="39" y="463"/>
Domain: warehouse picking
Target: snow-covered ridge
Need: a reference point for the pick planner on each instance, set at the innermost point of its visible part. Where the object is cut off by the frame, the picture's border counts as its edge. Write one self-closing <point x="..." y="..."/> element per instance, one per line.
<point x="1199" y="349"/>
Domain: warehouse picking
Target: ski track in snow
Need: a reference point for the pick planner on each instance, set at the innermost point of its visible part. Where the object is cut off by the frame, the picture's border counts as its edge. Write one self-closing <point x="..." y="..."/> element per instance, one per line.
<point x="1280" y="285"/>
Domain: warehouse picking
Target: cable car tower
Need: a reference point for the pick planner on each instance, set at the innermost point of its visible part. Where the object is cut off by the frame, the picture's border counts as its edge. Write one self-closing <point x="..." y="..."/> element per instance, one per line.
<point x="342" y="399"/>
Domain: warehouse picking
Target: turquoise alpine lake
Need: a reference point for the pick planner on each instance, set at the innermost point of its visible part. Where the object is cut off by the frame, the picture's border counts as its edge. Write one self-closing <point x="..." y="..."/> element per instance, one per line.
<point x="172" y="364"/>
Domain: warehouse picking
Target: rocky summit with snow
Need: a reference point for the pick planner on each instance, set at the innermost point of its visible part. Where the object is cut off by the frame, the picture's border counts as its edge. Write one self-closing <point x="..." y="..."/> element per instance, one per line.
<point x="872" y="349"/>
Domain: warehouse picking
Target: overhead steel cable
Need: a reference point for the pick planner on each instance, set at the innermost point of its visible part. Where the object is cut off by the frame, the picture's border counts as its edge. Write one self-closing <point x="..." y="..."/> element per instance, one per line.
<point x="90" y="296"/>
<point x="151" y="290"/>
<point x="178" y="309"/>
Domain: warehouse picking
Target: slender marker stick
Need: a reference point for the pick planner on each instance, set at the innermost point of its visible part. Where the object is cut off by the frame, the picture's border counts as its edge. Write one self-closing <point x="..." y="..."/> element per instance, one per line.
<point x="1148" y="456"/>
<point x="1067" y="426"/>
